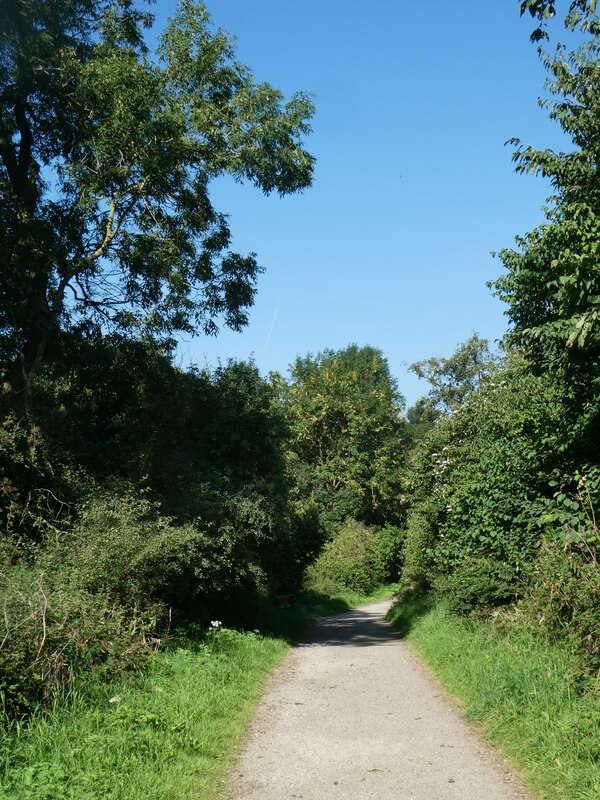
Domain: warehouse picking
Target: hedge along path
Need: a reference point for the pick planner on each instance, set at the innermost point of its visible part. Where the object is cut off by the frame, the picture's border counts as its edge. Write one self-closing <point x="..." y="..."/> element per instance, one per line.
<point x="352" y="714"/>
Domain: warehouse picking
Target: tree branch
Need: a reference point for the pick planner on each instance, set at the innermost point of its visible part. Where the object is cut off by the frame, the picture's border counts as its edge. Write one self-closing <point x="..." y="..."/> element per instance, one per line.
<point x="112" y="227"/>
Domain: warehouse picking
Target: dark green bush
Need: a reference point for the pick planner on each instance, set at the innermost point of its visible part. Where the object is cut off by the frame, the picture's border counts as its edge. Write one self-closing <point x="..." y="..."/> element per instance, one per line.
<point x="34" y="492"/>
<point x="417" y="555"/>
<point x="122" y="547"/>
<point x="564" y="596"/>
<point x="477" y="583"/>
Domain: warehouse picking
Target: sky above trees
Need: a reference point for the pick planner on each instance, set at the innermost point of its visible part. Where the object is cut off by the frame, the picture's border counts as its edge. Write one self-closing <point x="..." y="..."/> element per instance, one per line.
<point x="414" y="186"/>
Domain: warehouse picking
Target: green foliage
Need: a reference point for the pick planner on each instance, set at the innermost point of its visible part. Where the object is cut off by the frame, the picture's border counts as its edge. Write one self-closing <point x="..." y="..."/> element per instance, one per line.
<point x="207" y="447"/>
<point x="418" y="547"/>
<point x="351" y="560"/>
<point x="347" y="441"/>
<point x="55" y="630"/>
<point x="551" y="286"/>
<point x="564" y="598"/>
<point x="495" y="517"/>
<point x="122" y="547"/>
<point x="452" y="379"/>
<point x="138" y="486"/>
<point x="107" y="151"/>
<point x="35" y="492"/>
<point x="565" y="586"/>
<point x="390" y="544"/>
<point x="476" y="483"/>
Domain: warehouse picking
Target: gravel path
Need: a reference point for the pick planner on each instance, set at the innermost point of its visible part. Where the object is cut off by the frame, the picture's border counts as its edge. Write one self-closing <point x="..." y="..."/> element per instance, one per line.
<point x="353" y="715"/>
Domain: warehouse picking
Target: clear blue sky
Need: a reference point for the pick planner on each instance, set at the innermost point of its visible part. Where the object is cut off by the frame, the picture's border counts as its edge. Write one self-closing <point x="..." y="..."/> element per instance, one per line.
<point x="413" y="185"/>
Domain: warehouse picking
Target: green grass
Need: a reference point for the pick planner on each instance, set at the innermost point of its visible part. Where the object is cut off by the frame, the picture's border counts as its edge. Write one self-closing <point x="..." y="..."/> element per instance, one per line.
<point x="529" y="696"/>
<point x="169" y="735"/>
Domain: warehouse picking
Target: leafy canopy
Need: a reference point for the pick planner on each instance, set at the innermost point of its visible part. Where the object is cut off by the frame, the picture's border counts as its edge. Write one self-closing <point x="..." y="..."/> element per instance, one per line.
<point x="107" y="151"/>
<point x="552" y="284"/>
<point x="347" y="440"/>
<point x="452" y="379"/>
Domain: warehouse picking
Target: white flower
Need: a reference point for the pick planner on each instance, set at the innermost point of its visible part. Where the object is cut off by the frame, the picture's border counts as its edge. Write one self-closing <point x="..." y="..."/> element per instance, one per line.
<point x="115" y="699"/>
<point x="216" y="624"/>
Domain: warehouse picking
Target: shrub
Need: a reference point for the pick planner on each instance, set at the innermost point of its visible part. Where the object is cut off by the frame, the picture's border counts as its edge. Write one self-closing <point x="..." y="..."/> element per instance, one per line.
<point x="32" y="498"/>
<point x="124" y="548"/>
<point x="476" y="583"/>
<point x="390" y="545"/>
<point x="54" y="631"/>
<point x="351" y="560"/>
<point x="564" y="596"/>
<point x="417" y="553"/>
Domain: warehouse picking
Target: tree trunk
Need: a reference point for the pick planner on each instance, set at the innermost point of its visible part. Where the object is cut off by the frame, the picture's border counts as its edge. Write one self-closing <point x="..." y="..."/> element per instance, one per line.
<point x="19" y="377"/>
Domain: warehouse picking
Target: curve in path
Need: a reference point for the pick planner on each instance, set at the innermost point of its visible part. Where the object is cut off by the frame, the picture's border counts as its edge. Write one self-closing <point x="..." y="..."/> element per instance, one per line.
<point x="353" y="715"/>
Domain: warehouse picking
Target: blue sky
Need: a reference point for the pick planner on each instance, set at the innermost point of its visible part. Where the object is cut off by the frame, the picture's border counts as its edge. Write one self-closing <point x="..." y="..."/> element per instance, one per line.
<point x="413" y="185"/>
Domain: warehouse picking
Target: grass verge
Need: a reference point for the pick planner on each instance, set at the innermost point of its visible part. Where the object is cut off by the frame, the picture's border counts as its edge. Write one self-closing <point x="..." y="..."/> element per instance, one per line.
<point x="169" y="735"/>
<point x="528" y="695"/>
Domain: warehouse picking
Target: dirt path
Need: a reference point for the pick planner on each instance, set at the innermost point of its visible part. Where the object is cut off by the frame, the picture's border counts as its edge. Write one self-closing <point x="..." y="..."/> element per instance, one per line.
<point x="352" y="715"/>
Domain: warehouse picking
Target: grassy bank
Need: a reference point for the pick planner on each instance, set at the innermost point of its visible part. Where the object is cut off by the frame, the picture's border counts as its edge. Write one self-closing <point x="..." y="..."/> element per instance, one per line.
<point x="529" y="696"/>
<point x="169" y="735"/>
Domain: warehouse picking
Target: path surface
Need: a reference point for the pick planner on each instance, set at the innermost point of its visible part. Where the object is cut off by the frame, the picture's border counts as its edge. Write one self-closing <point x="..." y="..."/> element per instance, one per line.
<point x="352" y="715"/>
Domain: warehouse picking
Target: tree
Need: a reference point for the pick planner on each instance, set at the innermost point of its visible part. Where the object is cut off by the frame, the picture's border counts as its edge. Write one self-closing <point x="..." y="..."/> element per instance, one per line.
<point x="451" y="379"/>
<point x="107" y="151"/>
<point x="347" y="441"/>
<point x="552" y="284"/>
<point x="581" y="14"/>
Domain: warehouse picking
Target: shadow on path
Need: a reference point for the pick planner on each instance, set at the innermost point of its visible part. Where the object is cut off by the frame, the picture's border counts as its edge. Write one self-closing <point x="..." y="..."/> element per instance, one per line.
<point x="359" y="628"/>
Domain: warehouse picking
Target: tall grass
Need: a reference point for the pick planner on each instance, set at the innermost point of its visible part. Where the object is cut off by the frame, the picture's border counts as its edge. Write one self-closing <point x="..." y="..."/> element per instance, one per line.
<point x="169" y="735"/>
<point x="529" y="696"/>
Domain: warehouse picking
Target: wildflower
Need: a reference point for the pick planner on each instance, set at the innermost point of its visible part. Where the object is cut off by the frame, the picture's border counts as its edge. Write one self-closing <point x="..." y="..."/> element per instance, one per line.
<point x="115" y="699"/>
<point x="216" y="624"/>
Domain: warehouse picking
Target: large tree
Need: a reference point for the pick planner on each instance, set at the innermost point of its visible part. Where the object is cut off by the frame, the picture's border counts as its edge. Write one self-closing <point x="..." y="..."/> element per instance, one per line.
<point x="552" y="283"/>
<point x="107" y="150"/>
<point x="347" y="434"/>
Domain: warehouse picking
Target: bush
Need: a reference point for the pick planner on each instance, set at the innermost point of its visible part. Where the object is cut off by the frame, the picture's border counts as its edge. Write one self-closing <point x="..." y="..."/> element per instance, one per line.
<point x="564" y="596"/>
<point x="54" y="631"/>
<point x="32" y="496"/>
<point x="351" y="560"/>
<point x="477" y="583"/>
<point x="417" y="553"/>
<point x="122" y="547"/>
<point x="390" y="545"/>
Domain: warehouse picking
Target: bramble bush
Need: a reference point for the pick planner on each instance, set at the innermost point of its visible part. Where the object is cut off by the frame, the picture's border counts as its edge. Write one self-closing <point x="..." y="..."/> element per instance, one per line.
<point x="564" y="593"/>
<point x="477" y="482"/>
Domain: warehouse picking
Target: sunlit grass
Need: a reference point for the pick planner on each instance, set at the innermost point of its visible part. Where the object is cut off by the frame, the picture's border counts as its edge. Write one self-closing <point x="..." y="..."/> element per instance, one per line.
<point x="169" y="736"/>
<point x="529" y="696"/>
